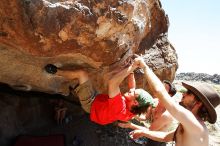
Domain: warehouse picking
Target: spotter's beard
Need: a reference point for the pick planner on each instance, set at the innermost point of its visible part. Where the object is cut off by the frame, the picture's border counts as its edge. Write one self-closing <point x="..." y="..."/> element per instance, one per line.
<point x="185" y="106"/>
<point x="182" y="104"/>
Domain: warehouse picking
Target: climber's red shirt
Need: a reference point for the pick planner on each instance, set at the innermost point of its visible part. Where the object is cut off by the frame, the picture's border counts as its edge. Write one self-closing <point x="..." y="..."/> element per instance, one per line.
<point x="105" y="110"/>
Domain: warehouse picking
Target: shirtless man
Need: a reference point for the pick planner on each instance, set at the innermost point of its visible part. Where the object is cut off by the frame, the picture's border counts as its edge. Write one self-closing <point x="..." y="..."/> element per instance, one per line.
<point x="198" y="106"/>
<point x="160" y="109"/>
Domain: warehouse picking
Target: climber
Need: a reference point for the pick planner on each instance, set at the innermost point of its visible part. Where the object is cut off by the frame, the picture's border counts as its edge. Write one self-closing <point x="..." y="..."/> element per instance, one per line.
<point x="108" y="108"/>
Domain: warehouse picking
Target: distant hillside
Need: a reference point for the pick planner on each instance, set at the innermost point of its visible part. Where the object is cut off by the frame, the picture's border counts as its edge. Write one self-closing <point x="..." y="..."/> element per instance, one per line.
<point x="191" y="76"/>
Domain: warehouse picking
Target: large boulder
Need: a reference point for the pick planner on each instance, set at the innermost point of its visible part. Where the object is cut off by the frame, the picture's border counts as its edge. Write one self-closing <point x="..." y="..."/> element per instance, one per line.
<point x="95" y="35"/>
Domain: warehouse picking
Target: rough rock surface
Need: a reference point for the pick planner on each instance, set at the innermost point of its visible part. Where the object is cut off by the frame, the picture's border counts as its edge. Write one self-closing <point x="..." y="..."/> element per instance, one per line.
<point x="96" y="35"/>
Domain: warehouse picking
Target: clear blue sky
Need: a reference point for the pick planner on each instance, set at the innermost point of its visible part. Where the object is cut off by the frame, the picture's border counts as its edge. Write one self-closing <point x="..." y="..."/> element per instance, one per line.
<point x="194" y="31"/>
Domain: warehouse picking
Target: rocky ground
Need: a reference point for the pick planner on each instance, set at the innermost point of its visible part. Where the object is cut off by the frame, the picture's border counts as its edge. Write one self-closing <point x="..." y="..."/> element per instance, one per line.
<point x="214" y="131"/>
<point x="203" y="77"/>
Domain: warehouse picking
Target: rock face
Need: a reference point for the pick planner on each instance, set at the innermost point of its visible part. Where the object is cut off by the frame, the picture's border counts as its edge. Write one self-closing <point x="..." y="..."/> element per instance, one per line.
<point x="95" y="35"/>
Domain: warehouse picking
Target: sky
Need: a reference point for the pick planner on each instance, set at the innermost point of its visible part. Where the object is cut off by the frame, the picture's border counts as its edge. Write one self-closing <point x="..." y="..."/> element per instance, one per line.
<point x="194" y="31"/>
